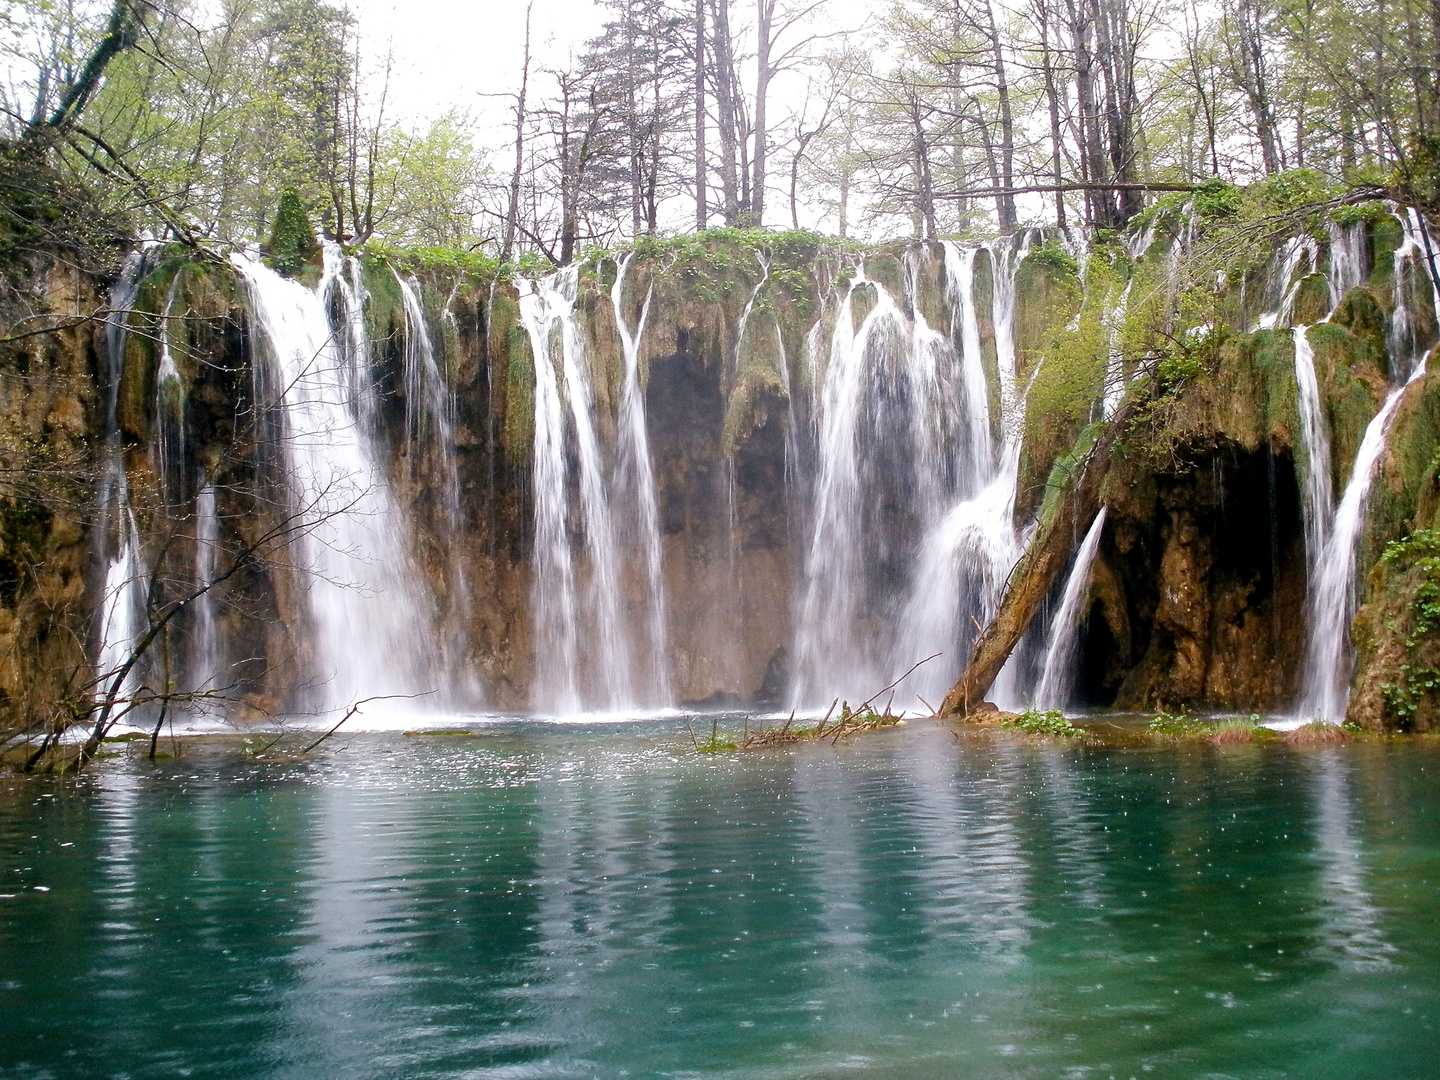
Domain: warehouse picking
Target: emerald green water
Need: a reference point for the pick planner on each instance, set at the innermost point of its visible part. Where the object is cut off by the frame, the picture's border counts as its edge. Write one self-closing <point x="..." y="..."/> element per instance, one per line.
<point x="557" y="901"/>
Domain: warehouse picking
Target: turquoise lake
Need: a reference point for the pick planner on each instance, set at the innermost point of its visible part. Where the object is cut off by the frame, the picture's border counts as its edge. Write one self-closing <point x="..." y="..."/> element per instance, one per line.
<point x="601" y="901"/>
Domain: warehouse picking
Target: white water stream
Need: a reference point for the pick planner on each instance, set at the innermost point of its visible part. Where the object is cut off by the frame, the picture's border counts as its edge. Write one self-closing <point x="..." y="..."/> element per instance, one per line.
<point x="1329" y="657"/>
<point x="373" y="620"/>
<point x="588" y="655"/>
<point x="1057" y="678"/>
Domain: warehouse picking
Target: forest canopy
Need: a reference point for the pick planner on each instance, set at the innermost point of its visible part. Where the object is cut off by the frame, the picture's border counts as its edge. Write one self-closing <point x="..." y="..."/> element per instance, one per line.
<point x="932" y="118"/>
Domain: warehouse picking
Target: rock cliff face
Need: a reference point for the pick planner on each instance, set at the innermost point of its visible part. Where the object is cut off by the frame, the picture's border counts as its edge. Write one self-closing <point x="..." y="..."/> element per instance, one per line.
<point x="48" y="403"/>
<point x="1198" y="595"/>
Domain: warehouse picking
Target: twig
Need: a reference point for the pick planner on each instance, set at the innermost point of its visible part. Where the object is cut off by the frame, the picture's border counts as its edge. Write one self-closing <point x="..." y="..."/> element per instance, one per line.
<point x="927" y="705"/>
<point x="692" y="733"/>
<point x="353" y="710"/>
<point x="898" y="681"/>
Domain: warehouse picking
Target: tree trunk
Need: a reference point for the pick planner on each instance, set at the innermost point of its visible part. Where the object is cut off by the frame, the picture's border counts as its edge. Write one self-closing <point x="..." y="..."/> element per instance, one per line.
<point x="1052" y="100"/>
<point x="512" y="212"/>
<point x="728" y="121"/>
<point x="702" y="211"/>
<point x="765" y="11"/>
<point x="1254" y="84"/>
<point x="1004" y="204"/>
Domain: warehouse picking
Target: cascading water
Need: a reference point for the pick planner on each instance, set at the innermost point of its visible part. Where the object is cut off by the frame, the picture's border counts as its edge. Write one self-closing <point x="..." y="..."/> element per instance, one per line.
<point x="371" y="616"/>
<point x="584" y="640"/>
<point x="829" y="654"/>
<point x="205" y="661"/>
<point x="1317" y="499"/>
<point x="169" y="410"/>
<point x="1113" y="392"/>
<point x="979" y="459"/>
<point x="908" y="490"/>
<point x="122" y="605"/>
<point x="1329" y="658"/>
<point x="1347" y="260"/>
<point x="429" y="409"/>
<point x="1057" y="678"/>
<point x="637" y="480"/>
<point x="1285" y="283"/>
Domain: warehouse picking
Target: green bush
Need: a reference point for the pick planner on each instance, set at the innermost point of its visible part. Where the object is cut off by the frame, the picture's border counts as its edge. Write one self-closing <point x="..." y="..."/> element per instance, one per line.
<point x="1033" y="722"/>
<point x="292" y="240"/>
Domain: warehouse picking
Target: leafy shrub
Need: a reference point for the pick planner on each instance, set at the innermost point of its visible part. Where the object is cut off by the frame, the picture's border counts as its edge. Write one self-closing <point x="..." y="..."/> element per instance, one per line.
<point x="1166" y="723"/>
<point x="1052" y="256"/>
<point x="1033" y="722"/>
<point x="292" y="240"/>
<point x="1217" y="198"/>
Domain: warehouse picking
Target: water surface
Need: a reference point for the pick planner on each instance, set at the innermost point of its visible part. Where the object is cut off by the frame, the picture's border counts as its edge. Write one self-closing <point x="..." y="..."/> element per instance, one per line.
<point x="562" y="900"/>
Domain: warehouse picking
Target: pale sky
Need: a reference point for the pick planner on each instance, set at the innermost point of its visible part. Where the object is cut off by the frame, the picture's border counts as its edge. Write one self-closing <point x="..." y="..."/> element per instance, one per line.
<point x="447" y="54"/>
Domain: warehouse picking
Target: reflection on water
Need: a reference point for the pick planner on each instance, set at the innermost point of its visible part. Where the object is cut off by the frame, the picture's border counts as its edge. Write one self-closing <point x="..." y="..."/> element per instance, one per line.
<point x="599" y="901"/>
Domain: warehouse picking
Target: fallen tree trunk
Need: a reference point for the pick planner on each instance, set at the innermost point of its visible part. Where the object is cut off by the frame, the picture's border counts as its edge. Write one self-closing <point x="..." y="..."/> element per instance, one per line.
<point x="1072" y="499"/>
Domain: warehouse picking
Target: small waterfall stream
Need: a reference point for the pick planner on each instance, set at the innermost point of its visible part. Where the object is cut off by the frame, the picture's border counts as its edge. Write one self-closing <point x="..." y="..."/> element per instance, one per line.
<point x="122" y="603"/>
<point x="637" y="482"/>
<point x="1317" y="498"/>
<point x="429" y="410"/>
<point x="1057" y="678"/>
<point x="966" y="556"/>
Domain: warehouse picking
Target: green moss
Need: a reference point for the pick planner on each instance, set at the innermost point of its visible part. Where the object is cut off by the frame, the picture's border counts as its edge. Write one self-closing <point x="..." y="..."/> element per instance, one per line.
<point x="518" y="434"/>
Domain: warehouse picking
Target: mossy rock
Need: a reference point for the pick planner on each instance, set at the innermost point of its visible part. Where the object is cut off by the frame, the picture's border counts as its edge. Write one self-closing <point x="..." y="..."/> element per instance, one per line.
<point x="1312" y="300"/>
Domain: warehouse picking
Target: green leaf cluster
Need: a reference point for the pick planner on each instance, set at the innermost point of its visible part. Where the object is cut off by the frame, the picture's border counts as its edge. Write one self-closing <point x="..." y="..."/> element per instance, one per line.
<point x="1051" y="723"/>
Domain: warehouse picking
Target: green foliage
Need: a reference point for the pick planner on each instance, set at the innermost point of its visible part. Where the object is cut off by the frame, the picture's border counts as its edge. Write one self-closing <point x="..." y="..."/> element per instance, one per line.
<point x="1190" y="357"/>
<point x="1420" y="553"/>
<point x="1217" y="199"/>
<point x="292" y="240"/>
<point x="1177" y="724"/>
<point x="1368" y="212"/>
<point x="1293" y="189"/>
<point x="1052" y="256"/>
<point x="473" y="264"/>
<point x="1417" y="178"/>
<point x="717" y="743"/>
<point x="1051" y="723"/>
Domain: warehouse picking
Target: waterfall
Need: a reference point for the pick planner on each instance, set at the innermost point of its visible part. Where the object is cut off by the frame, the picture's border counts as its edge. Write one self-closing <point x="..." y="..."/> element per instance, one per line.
<point x="430" y="423"/>
<point x="1057" y="678"/>
<point x="122" y="565"/>
<point x="205" y="663"/>
<point x="966" y="556"/>
<point x="829" y="649"/>
<point x="979" y="458"/>
<point x="371" y="614"/>
<point x="585" y="652"/>
<point x="429" y="410"/>
<point x="1329" y="658"/>
<point x="1285" y="284"/>
<point x="1113" y="391"/>
<point x="1347" y="260"/>
<point x="637" y="474"/>
<point x="169" y="411"/>
<point x="1317" y="499"/>
<point x="895" y="420"/>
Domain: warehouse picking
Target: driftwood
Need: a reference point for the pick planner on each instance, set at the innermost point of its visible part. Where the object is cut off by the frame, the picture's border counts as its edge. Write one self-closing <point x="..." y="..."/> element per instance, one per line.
<point x="1067" y="515"/>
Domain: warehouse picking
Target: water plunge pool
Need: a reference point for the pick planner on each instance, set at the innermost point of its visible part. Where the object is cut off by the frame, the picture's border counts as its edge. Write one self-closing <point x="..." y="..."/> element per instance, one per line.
<point x="600" y="901"/>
